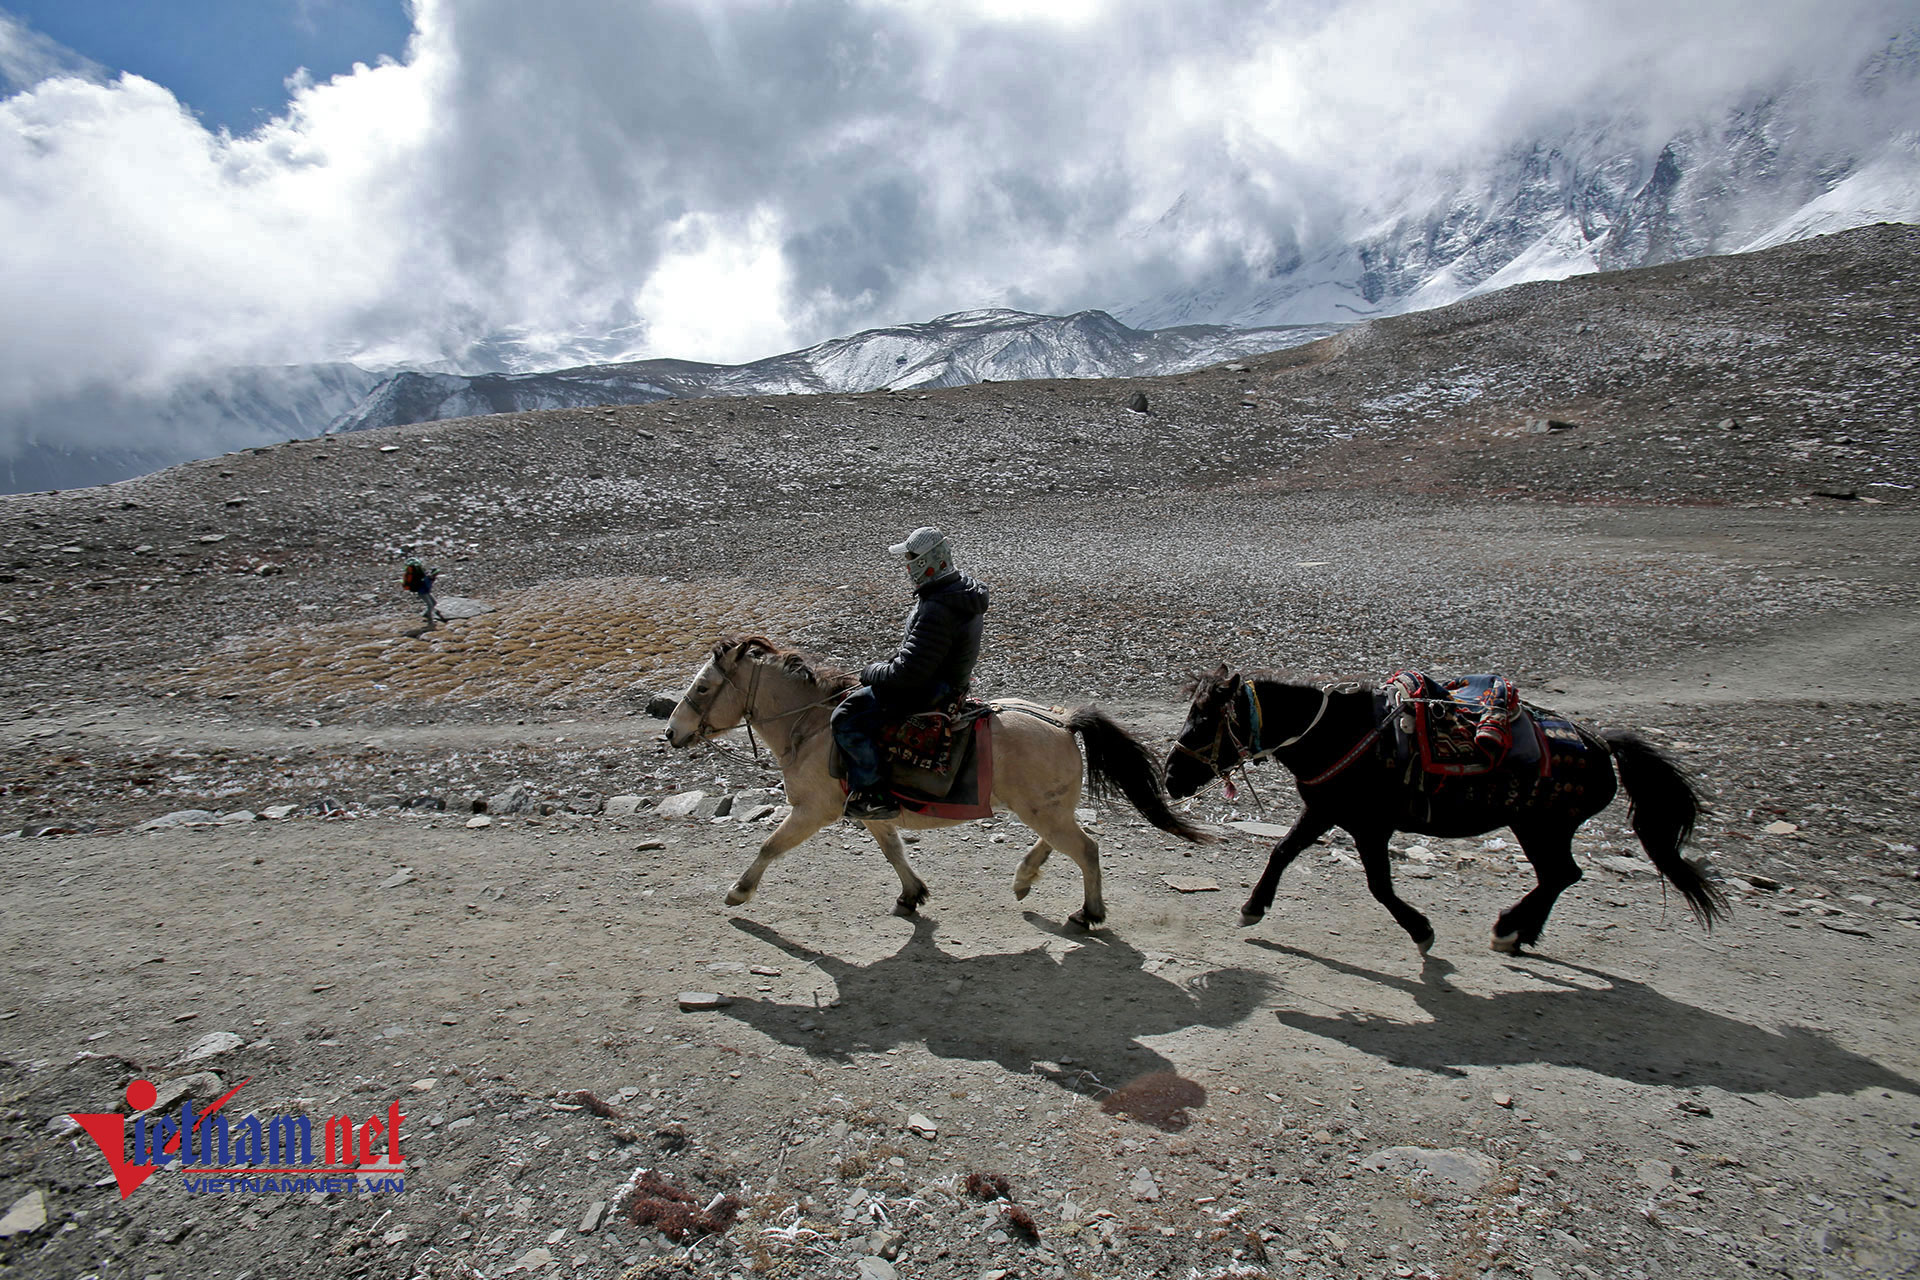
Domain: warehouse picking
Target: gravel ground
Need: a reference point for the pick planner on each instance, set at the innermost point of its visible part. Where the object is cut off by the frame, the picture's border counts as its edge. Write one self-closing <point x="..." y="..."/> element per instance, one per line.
<point x="1719" y="551"/>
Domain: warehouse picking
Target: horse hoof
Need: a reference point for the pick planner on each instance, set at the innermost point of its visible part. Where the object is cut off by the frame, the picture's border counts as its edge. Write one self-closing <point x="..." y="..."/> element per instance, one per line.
<point x="1250" y="918"/>
<point x="1081" y="921"/>
<point x="906" y="910"/>
<point x="1426" y="944"/>
<point x="738" y="897"/>
<point x="1020" y="891"/>
<point x="1505" y="943"/>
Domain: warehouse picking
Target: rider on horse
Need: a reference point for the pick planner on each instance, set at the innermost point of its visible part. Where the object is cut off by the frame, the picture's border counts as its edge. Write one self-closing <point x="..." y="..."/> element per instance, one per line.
<point x="932" y="668"/>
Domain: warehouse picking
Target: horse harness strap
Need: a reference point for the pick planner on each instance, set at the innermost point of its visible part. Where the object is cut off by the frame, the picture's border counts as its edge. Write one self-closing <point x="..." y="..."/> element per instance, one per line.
<point x="1260" y="752"/>
<point x="1353" y="753"/>
<point x="1002" y="708"/>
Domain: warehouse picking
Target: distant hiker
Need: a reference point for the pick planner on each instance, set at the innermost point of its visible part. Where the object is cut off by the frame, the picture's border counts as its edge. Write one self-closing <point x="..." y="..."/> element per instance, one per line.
<point x="932" y="668"/>
<point x="417" y="578"/>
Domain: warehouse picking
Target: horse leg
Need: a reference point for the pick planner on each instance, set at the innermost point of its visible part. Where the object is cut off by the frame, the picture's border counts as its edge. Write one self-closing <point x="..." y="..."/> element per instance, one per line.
<point x="1307" y="828"/>
<point x="799" y="825"/>
<point x="1379" y="868"/>
<point x="1065" y="835"/>
<point x="1029" y="869"/>
<point x="913" y="891"/>
<point x="1550" y="850"/>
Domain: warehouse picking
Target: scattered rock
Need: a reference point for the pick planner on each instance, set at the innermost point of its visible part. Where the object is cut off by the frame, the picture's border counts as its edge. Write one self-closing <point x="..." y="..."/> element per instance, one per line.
<point x="212" y="1045"/>
<point x="1462" y="1171"/>
<point x="1138" y="402"/>
<point x="622" y="806"/>
<point x="661" y="705"/>
<point x="1142" y="1187"/>
<point x="28" y="1213"/>
<point x="43" y="829"/>
<point x="513" y="800"/>
<point x="683" y="805"/>
<point x="922" y="1127"/>
<point x="1190" y="884"/>
<point x="530" y="1261"/>
<point x="876" y="1268"/>
<point x="199" y="1085"/>
<point x="699" y="1001"/>
<point x="1653" y="1174"/>
<point x="399" y="877"/>
<point x="480" y="820"/>
<point x="1781" y="828"/>
<point x="595" y="1215"/>
<point x="455" y="608"/>
<point x="180" y="818"/>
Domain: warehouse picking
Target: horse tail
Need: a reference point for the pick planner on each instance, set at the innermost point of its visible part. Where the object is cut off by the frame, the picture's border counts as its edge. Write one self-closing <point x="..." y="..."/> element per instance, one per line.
<point x="1120" y="766"/>
<point x="1662" y="806"/>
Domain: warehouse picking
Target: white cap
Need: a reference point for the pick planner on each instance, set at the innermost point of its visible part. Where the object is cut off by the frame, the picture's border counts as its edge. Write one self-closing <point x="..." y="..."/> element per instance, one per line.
<point x="921" y="540"/>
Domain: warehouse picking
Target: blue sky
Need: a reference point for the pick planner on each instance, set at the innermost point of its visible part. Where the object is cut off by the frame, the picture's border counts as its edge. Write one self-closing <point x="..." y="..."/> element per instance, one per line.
<point x="226" y="60"/>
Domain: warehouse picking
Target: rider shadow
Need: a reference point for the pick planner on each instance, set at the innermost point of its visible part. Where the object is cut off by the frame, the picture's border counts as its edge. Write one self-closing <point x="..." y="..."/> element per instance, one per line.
<point x="1076" y="1019"/>
<point x="1617" y="1027"/>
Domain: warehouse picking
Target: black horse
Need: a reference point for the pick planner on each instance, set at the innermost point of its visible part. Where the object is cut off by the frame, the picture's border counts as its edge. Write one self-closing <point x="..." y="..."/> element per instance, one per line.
<point x="1336" y="744"/>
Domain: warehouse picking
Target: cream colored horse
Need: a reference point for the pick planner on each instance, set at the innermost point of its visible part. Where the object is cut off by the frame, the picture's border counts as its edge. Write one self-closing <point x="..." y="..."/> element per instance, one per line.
<point x="1037" y="767"/>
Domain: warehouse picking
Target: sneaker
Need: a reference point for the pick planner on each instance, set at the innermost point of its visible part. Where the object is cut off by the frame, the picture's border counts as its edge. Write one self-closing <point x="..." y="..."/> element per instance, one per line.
<point x="871" y="805"/>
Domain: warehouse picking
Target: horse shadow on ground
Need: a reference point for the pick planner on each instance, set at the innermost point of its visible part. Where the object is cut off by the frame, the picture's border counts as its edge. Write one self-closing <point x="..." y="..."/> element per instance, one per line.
<point x="1076" y="1019"/>
<point x="1593" y="1020"/>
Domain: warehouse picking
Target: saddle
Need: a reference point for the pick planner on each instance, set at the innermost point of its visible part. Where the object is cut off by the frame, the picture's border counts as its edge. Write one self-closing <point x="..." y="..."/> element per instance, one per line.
<point x="932" y="754"/>
<point x="1462" y="728"/>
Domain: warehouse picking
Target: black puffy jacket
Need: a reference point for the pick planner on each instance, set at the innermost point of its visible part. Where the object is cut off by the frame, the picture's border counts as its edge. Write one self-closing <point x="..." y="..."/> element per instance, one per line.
<point x="940" y="647"/>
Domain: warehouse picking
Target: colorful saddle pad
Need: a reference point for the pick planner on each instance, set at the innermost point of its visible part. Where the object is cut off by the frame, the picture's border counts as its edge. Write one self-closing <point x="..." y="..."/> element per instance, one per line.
<point x="931" y="741"/>
<point x="1462" y="727"/>
<point x="957" y="740"/>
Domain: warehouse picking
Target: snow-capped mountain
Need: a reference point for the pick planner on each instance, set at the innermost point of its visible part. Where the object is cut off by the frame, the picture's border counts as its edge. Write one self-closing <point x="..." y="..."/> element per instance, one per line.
<point x="1603" y="195"/>
<point x="954" y="350"/>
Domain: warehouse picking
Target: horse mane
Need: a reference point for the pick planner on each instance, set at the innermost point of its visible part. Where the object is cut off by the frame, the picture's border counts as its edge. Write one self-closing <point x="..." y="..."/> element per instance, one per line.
<point x="756" y="648"/>
<point x="1207" y="681"/>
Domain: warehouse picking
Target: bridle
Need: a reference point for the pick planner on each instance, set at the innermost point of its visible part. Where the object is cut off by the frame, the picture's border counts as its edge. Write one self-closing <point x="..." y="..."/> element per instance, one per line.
<point x="707" y="731"/>
<point x="1244" y="753"/>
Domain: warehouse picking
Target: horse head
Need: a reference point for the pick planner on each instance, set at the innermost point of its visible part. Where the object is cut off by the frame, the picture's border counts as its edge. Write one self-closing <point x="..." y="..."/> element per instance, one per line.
<point x="716" y="701"/>
<point x="1210" y="741"/>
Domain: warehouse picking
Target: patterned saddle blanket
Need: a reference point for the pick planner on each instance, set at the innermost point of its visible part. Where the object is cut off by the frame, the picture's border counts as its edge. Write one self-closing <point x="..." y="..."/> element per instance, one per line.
<point x="1459" y="728"/>
<point x="933" y="741"/>
<point x="938" y="755"/>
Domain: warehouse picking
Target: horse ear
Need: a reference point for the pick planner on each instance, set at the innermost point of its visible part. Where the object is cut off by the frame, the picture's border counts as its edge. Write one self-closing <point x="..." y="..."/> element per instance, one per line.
<point x="1221" y="672"/>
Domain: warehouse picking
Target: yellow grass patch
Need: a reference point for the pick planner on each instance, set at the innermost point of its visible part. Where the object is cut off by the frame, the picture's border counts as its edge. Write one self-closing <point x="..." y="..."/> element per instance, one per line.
<point x="578" y="639"/>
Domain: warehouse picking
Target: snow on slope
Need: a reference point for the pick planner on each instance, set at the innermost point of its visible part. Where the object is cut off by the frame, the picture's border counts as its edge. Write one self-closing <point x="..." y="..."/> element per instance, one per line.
<point x="954" y="350"/>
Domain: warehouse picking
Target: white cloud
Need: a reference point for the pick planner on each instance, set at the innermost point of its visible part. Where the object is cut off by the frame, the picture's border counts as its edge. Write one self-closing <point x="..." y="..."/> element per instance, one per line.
<point x="731" y="179"/>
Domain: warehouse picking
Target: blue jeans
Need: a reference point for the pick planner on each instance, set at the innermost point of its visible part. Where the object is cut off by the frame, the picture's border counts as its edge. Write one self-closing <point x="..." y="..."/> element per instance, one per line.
<point x="857" y="723"/>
